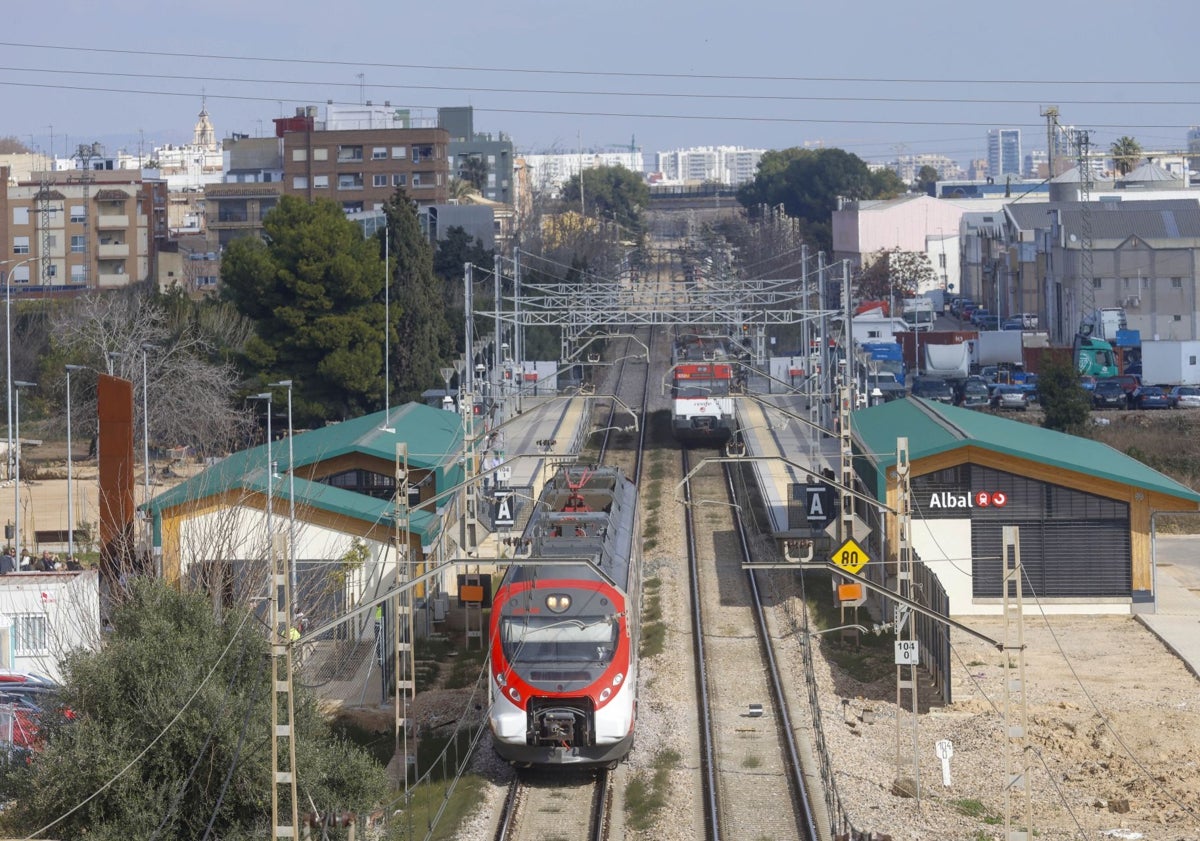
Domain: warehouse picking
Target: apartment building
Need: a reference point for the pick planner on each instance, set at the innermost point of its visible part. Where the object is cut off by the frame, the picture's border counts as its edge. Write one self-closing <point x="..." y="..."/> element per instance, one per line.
<point x="360" y="169"/>
<point x="70" y="231"/>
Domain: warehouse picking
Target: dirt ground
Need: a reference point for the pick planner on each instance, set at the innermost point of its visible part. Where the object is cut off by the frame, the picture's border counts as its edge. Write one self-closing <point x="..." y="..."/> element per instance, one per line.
<point x="1113" y="737"/>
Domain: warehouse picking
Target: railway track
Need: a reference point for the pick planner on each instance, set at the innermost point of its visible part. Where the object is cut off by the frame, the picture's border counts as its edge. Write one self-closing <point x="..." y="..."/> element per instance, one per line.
<point x="750" y="763"/>
<point x="570" y="804"/>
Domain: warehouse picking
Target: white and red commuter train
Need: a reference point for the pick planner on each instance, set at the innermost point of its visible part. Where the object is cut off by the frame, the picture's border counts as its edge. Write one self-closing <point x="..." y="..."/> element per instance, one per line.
<point x="564" y="629"/>
<point x="703" y="374"/>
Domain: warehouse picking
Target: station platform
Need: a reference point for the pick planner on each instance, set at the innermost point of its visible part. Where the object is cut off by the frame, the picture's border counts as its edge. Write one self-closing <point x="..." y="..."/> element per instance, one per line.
<point x="776" y="428"/>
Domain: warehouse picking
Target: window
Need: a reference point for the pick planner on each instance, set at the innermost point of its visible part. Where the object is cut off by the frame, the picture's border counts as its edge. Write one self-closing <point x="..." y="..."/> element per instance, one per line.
<point x="379" y="180"/>
<point x="20" y="245"/>
<point x="299" y="154"/>
<point x="20" y="274"/>
<point x="352" y="207"/>
<point x="422" y="153"/>
<point x="299" y="182"/>
<point x="52" y="242"/>
<point x="77" y="244"/>
<point x="321" y="154"/>
<point x="77" y="214"/>
<point x="31" y="633"/>
<point x="1097" y="282"/>
<point x="379" y="153"/>
<point x="1177" y="317"/>
<point x="320" y="182"/>
<point x="400" y="179"/>
<point x="416" y="181"/>
<point x="20" y="215"/>
<point x="78" y="274"/>
<point x="399" y="151"/>
<point x="350" y="181"/>
<point x="942" y="261"/>
<point x="51" y="270"/>
<point x="1176" y="283"/>
<point x="349" y="154"/>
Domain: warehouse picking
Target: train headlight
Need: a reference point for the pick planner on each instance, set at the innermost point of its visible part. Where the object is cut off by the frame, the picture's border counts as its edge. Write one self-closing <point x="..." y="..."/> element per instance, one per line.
<point x="514" y="694"/>
<point x="617" y="680"/>
<point x="500" y="679"/>
<point x="558" y="602"/>
<point x="605" y="693"/>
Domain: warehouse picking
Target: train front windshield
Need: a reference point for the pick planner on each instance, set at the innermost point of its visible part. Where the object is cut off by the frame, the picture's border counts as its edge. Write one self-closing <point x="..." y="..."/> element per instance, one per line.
<point x="701" y="389"/>
<point x="551" y="639"/>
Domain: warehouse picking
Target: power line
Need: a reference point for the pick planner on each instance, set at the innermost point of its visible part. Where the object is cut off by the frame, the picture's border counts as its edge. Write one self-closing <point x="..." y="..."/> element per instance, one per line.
<point x="596" y="73"/>
<point x="642" y="94"/>
<point x="623" y="115"/>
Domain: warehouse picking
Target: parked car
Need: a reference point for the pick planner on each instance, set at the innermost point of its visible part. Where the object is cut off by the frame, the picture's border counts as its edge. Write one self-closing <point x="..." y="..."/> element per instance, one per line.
<point x="964" y="312"/>
<point x="959" y="304"/>
<point x="1012" y="324"/>
<point x="976" y="314"/>
<point x="1088" y="382"/>
<point x="933" y="388"/>
<point x="1128" y="382"/>
<point x="987" y="322"/>
<point x="1148" y="397"/>
<point x="1012" y="397"/>
<point x="973" y="391"/>
<point x="1108" y="394"/>
<point x="1184" y="397"/>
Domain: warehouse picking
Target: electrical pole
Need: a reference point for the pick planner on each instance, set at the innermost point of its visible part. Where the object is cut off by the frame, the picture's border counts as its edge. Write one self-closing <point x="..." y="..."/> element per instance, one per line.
<point x="1016" y="710"/>
<point x="907" y="647"/>
<point x="403" y="624"/>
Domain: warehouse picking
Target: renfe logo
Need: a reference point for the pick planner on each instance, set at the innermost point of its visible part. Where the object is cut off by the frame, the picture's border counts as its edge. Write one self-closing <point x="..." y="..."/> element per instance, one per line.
<point x="981" y="499"/>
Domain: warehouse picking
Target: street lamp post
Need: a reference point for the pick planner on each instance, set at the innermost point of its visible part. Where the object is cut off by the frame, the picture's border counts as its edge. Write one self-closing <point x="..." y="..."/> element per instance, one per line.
<point x="8" y="348"/>
<point x="17" y="385"/>
<point x="70" y="473"/>
<point x="291" y="495"/>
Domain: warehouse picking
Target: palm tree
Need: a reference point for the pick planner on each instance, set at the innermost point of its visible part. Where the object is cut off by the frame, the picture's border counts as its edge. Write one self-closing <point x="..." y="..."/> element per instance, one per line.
<point x="474" y="170"/>
<point x="1126" y="154"/>
<point x="461" y="190"/>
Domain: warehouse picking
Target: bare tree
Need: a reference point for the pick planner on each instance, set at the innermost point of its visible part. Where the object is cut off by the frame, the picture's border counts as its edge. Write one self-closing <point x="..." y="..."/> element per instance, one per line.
<point x="190" y="390"/>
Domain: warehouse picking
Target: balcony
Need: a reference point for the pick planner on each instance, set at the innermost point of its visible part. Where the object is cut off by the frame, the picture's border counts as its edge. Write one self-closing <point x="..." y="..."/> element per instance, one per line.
<point x="110" y="280"/>
<point x="112" y="221"/>
<point x="112" y="250"/>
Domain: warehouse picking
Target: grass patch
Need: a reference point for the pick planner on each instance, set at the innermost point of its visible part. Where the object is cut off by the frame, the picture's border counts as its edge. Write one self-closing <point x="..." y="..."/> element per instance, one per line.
<point x="380" y="744"/>
<point x="869" y="659"/>
<point x="646" y="794"/>
<point x="424" y="804"/>
<point x="751" y="761"/>
<point x="976" y="809"/>
<point x="654" y="632"/>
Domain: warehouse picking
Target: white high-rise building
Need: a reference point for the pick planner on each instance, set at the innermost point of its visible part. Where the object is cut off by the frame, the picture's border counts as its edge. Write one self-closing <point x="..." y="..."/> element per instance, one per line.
<point x="548" y="173"/>
<point x="729" y="165"/>
<point x="1004" y="152"/>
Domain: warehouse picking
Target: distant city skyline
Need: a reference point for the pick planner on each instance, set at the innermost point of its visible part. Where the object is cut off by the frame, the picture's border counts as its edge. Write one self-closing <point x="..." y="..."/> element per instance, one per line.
<point x="559" y="78"/>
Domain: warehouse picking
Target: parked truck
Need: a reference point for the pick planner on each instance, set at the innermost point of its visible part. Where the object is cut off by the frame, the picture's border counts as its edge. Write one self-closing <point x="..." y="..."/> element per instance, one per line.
<point x="886" y="357"/>
<point x="1094" y="357"/>
<point x="996" y="347"/>
<point x="1171" y="363"/>
<point x="949" y="362"/>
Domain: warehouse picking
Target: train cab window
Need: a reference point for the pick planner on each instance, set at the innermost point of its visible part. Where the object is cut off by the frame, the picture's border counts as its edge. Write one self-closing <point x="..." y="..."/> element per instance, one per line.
<point x="551" y="639"/>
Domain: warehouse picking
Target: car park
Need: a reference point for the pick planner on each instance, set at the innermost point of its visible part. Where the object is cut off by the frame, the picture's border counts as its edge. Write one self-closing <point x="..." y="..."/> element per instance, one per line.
<point x="1148" y="397"/>
<point x="1108" y="394"/>
<point x="1013" y="397"/>
<point x="1184" y="397"/>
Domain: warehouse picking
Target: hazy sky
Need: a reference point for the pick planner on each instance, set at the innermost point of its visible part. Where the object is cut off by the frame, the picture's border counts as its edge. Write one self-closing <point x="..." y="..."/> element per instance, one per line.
<point x="868" y="76"/>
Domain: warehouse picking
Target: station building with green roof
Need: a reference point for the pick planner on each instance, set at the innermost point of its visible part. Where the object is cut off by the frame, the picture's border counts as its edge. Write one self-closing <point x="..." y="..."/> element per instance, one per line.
<point x="212" y="529"/>
<point x="1085" y="511"/>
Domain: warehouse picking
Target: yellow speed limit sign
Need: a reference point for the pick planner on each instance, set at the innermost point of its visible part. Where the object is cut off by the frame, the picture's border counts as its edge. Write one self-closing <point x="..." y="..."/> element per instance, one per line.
<point x="850" y="556"/>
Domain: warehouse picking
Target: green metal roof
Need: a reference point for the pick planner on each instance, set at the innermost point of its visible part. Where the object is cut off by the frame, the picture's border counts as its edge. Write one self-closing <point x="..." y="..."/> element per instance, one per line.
<point x="434" y="438"/>
<point x="933" y="428"/>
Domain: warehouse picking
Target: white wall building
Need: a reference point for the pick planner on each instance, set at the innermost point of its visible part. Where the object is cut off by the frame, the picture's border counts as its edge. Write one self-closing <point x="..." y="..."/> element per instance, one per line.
<point x="548" y="173"/>
<point x="45" y="615"/>
<point x="729" y="165"/>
